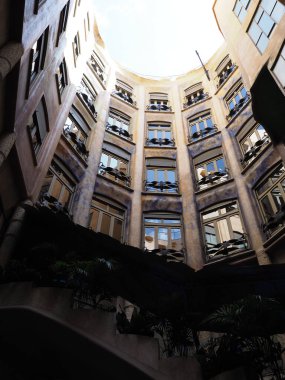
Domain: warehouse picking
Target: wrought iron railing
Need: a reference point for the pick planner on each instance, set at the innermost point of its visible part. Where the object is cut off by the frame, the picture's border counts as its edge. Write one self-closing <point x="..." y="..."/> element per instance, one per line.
<point x="255" y="150"/>
<point x="237" y="108"/>
<point x="160" y="141"/>
<point x="274" y="221"/>
<point x="88" y="101"/>
<point x="119" y="131"/>
<point x="171" y="255"/>
<point x="162" y="186"/>
<point x="227" y="247"/>
<point x="158" y="107"/>
<point x="96" y="68"/>
<point x="226" y="74"/>
<point x="125" y="97"/>
<point x="203" y="133"/>
<point x="53" y="204"/>
<point x="197" y="99"/>
<point x="76" y="142"/>
<point x="213" y="178"/>
<point x="117" y="174"/>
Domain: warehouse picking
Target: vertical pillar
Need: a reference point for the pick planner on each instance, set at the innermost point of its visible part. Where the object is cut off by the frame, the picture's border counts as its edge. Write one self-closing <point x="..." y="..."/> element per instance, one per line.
<point x="10" y="54"/>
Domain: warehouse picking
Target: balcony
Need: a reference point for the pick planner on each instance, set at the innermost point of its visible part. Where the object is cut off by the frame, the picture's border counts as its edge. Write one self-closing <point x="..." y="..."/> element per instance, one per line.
<point x="76" y="142"/>
<point x="255" y="150"/>
<point x="197" y="99"/>
<point x="162" y="186"/>
<point x="213" y="178"/>
<point x="198" y="135"/>
<point x="222" y="78"/>
<point x="118" y="175"/>
<point x="227" y="247"/>
<point x="125" y="97"/>
<point x="170" y="255"/>
<point x="160" y="141"/>
<point x="159" y="107"/>
<point x="53" y="204"/>
<point x="119" y="131"/>
<point x="88" y="101"/>
<point x="238" y="107"/>
<point x="274" y="221"/>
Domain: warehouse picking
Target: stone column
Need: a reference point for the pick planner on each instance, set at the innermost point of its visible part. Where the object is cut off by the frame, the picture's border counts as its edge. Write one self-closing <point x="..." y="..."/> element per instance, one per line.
<point x="6" y="143"/>
<point x="191" y="217"/>
<point x="10" y="54"/>
<point x="138" y="170"/>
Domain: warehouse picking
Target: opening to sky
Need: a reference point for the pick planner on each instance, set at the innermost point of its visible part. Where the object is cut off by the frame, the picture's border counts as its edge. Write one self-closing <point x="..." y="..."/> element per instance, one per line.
<point x="158" y="37"/>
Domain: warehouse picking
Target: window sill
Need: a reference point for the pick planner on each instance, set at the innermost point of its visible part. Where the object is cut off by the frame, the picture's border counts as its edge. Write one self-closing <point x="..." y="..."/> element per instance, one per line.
<point x="233" y="258"/>
<point x="160" y="112"/>
<point x="204" y="138"/>
<point x="238" y="113"/>
<point x="226" y="80"/>
<point x="244" y="170"/>
<point x="156" y="193"/>
<point x="159" y="147"/>
<point x="74" y="151"/>
<point x="214" y="186"/>
<point x="116" y="183"/>
<point x="121" y="138"/>
<point x="196" y="104"/>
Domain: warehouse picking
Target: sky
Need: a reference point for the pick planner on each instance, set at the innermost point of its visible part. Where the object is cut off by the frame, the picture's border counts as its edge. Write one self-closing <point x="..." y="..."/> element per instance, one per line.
<point x="158" y="37"/>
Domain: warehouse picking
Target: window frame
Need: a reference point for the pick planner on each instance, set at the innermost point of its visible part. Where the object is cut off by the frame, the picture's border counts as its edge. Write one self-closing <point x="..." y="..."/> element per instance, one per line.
<point x="114" y="175"/>
<point x="162" y="141"/>
<point x="38" y="5"/>
<point x="255" y="148"/>
<point x="61" y="78"/>
<point x="238" y="105"/>
<point x="157" y="185"/>
<point x="63" y="19"/>
<point x="219" y="179"/>
<point x="280" y="57"/>
<point x="76" y="47"/>
<point x="118" y="130"/>
<point x="97" y="66"/>
<point x="199" y="118"/>
<point x="242" y="7"/>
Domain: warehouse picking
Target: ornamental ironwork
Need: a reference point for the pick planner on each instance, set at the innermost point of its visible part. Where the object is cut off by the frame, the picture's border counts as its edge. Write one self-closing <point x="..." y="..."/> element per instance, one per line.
<point x="126" y="97"/>
<point x="235" y="110"/>
<point x="195" y="100"/>
<point x="162" y="186"/>
<point x="225" y="75"/>
<point x="158" y="107"/>
<point x="203" y="133"/>
<point x="76" y="142"/>
<point x="254" y="151"/>
<point x="274" y="221"/>
<point x="53" y="204"/>
<point x="88" y="100"/>
<point x="213" y="178"/>
<point x="160" y="141"/>
<point x="116" y="173"/>
<point x="227" y="247"/>
<point x="119" y="131"/>
<point x="170" y="255"/>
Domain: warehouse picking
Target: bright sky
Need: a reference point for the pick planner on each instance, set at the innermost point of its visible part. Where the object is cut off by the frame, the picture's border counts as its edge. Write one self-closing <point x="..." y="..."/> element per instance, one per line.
<point x="158" y="37"/>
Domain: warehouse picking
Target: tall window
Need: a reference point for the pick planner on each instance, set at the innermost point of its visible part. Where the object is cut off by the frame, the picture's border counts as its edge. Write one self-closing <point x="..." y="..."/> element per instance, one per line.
<point x="58" y="187"/>
<point x="240" y="9"/>
<point x="200" y="126"/>
<point x="77" y="134"/>
<point x="158" y="102"/>
<point x="195" y="96"/>
<point x="253" y="144"/>
<point x="97" y="66"/>
<point x="88" y="95"/>
<point x="236" y="99"/>
<point x="107" y="217"/>
<point x="159" y="134"/>
<point x="161" y="175"/>
<point x="38" y="54"/>
<point x="211" y="172"/>
<point x="119" y="124"/>
<point x="61" y="77"/>
<point x="271" y="197"/>
<point x="63" y="20"/>
<point x="115" y="168"/>
<point x="225" y="68"/>
<point x="279" y="67"/>
<point x="268" y="14"/>
<point x="163" y="233"/>
<point x="124" y="91"/>
<point x="38" y="4"/>
<point x="76" y="46"/>
<point x="38" y="126"/>
<point x="223" y="230"/>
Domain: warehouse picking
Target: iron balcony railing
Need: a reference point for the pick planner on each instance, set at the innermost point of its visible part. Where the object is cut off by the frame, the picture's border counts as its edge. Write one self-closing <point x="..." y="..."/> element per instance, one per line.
<point x="53" y="204"/>
<point x="255" y="150"/>
<point x="162" y="186"/>
<point x="198" y="135"/>
<point x="117" y="174"/>
<point x="88" y="101"/>
<point x="226" y="247"/>
<point x="160" y="141"/>
<point x="213" y="178"/>
<point x="158" y="107"/>
<point x="127" y="98"/>
<point x="226" y="74"/>
<point x="274" y="221"/>
<point x="238" y="107"/>
<point x="76" y="142"/>
<point x="195" y="100"/>
<point x="119" y="131"/>
<point x="170" y="255"/>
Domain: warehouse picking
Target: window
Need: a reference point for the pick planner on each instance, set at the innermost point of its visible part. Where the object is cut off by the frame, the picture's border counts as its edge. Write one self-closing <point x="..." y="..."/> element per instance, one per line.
<point x="223" y="230"/>
<point x="236" y="100"/>
<point x="77" y="4"/>
<point x="158" y="102"/>
<point x="61" y="77"/>
<point x="38" y="126"/>
<point x="268" y="14"/>
<point x="225" y="68"/>
<point x="38" y="54"/>
<point x="240" y="9"/>
<point x="97" y="66"/>
<point x="119" y="124"/>
<point x="124" y="91"/>
<point x="161" y="175"/>
<point x="88" y="22"/>
<point x="159" y="134"/>
<point x="88" y="95"/>
<point x="58" y="187"/>
<point x="38" y="4"/>
<point x="200" y="126"/>
<point x="271" y="198"/>
<point x="195" y="96"/>
<point x="63" y="20"/>
<point x="163" y="235"/>
<point x="279" y="67"/>
<point x="77" y="134"/>
<point x="107" y="217"/>
<point x="76" y="47"/>
<point x="115" y="167"/>
<point x="211" y="173"/>
<point x="253" y="144"/>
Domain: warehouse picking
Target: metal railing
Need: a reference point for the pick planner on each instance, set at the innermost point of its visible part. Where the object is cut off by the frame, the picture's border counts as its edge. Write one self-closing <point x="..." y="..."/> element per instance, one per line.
<point x="117" y="174"/>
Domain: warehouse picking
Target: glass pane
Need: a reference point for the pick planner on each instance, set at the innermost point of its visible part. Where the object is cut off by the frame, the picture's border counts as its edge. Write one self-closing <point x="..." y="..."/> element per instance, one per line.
<point x="104" y="159"/>
<point x="149" y="238"/>
<point x="151" y="135"/>
<point x="231" y="104"/>
<point x="160" y="175"/>
<point x="171" y="221"/>
<point x="210" y="235"/>
<point x="267" y="207"/>
<point x="162" y="237"/>
<point x="268" y="5"/>
<point x="242" y="14"/>
<point x="99" y="204"/>
<point x="125" y="126"/>
<point x="150" y="175"/>
<point x="266" y="23"/>
<point x="193" y="129"/>
<point x="261" y="130"/>
<point x="110" y="120"/>
<point x="94" y="216"/>
<point x="210" y="167"/>
<point x="223" y="229"/>
<point x="105" y="224"/>
<point x="171" y="176"/>
<point x="176" y="242"/>
<point x="243" y="92"/>
<point x="279" y="70"/>
<point x="262" y="43"/>
<point x="201" y="125"/>
<point x="237" y="8"/>
<point x="221" y="165"/>
<point x="159" y="135"/>
<point x="210" y="215"/>
<point x="153" y="221"/>
<point x="209" y="123"/>
<point x="114" y="163"/>
<point x="278" y="12"/>
<point x="167" y="135"/>
<point x="236" y="226"/>
<point x="254" y="32"/>
<point x="237" y="98"/>
<point x="254" y="138"/>
<point x="246" y="146"/>
<point x="118" y="227"/>
<point x="245" y="3"/>
<point x="65" y="197"/>
<point x="277" y="198"/>
<point x="56" y="189"/>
